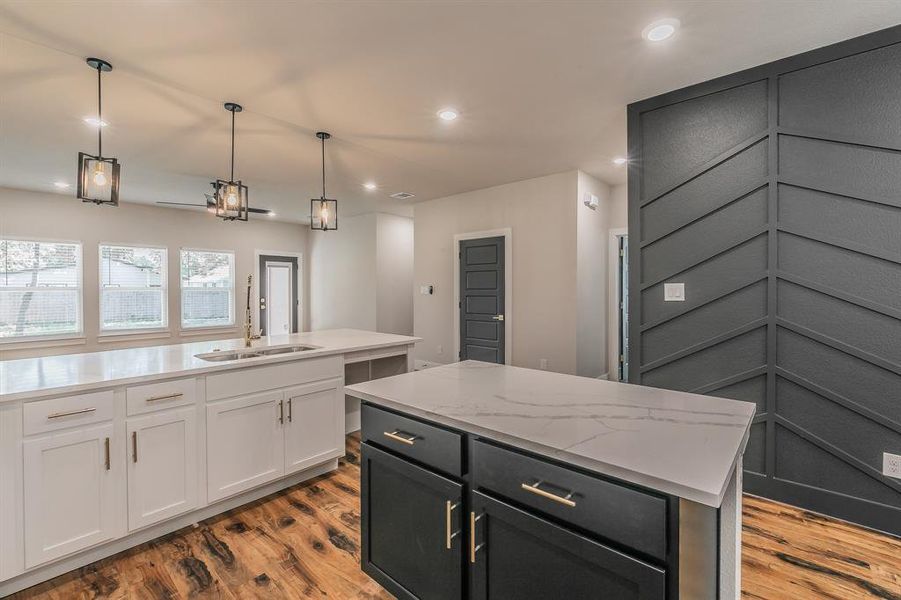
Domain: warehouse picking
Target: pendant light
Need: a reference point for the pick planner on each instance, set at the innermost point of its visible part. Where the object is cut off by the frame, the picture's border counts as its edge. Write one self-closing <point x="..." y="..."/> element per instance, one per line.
<point x="231" y="196"/>
<point x="323" y="211"/>
<point x="98" y="177"/>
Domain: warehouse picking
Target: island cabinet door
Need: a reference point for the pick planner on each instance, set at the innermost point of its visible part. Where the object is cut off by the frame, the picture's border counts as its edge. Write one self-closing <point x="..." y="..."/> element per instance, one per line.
<point x="314" y="424"/>
<point x="162" y="466"/>
<point x="411" y="522"/>
<point x="71" y="484"/>
<point x="515" y="554"/>
<point x="245" y="443"/>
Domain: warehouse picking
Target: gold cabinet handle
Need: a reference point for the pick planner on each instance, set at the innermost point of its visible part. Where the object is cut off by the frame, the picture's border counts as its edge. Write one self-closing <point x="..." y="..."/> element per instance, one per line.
<point x="134" y="446"/>
<point x="290" y="411"/>
<point x="106" y="448"/>
<point x="449" y="534"/>
<point x="565" y="500"/>
<point x="71" y="413"/>
<point x="399" y="438"/>
<point x="167" y="397"/>
<point x="473" y="548"/>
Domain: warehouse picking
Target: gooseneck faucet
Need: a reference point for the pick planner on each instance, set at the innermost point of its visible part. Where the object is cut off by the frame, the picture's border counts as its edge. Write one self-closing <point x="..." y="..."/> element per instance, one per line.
<point x="248" y="318"/>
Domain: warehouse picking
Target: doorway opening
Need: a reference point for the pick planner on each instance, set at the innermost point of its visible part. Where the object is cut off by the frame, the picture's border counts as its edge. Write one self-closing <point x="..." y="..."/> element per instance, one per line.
<point x="622" y="286"/>
<point x="279" y="293"/>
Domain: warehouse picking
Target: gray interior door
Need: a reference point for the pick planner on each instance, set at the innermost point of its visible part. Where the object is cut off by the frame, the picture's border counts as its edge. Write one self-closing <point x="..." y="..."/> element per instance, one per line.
<point x="482" y="325"/>
<point x="278" y="289"/>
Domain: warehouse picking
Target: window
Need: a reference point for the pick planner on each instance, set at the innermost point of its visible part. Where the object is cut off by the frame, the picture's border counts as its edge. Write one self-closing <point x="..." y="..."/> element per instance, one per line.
<point x="40" y="289"/>
<point x="207" y="288"/>
<point x="132" y="288"/>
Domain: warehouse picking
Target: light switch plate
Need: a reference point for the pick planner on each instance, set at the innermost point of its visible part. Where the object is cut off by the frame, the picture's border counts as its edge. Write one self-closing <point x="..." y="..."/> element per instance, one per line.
<point x="891" y="465"/>
<point x="674" y="292"/>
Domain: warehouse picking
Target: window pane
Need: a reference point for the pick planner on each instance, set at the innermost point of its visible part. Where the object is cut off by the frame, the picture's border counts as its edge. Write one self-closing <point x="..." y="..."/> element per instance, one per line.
<point x="132" y="288"/>
<point x="38" y="312"/>
<point x="38" y="264"/>
<point x="132" y="309"/>
<point x="207" y="295"/>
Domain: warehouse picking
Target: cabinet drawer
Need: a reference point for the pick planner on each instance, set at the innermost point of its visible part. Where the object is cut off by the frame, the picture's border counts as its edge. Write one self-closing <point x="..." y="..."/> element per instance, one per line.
<point x="269" y="377"/>
<point x="154" y="396"/>
<point x="615" y="512"/>
<point x="428" y="444"/>
<point x="69" y="411"/>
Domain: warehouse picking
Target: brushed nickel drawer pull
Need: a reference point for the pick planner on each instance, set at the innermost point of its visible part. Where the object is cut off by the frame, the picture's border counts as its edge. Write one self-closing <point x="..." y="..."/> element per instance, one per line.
<point x="399" y="438"/>
<point x="169" y="397"/>
<point x="565" y="500"/>
<point x="134" y="446"/>
<point x="106" y="448"/>
<point x="70" y="413"/>
<point x="281" y="412"/>
<point x="450" y="535"/>
<point x="290" y="411"/>
<point x="473" y="548"/>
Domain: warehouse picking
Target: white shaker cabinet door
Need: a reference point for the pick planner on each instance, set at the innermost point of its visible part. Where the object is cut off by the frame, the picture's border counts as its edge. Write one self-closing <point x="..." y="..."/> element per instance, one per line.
<point x="162" y="466"/>
<point x="245" y="446"/>
<point x="314" y="424"/>
<point x="71" y="482"/>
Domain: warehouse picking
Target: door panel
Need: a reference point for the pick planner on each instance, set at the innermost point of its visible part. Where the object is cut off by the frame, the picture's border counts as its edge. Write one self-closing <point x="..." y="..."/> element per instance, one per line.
<point x="70" y="492"/>
<point x="482" y="325"/>
<point x="245" y="446"/>
<point x="519" y="555"/>
<point x="162" y="466"/>
<point x="314" y="424"/>
<point x="278" y="296"/>
<point x="405" y="528"/>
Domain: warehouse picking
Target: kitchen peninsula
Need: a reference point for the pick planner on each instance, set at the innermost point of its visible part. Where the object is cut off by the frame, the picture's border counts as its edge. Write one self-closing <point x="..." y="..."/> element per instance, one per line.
<point x="485" y="481"/>
<point x="102" y="451"/>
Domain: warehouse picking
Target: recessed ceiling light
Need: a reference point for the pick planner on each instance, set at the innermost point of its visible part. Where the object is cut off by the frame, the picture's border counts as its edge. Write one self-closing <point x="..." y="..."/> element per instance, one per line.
<point x="619" y="160"/>
<point x="370" y="185"/>
<point x="94" y="122"/>
<point x="660" y="30"/>
<point x="448" y="114"/>
<point x="61" y="184"/>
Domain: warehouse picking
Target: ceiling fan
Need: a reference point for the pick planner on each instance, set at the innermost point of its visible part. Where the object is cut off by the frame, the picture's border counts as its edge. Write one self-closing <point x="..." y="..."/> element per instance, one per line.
<point x="211" y="205"/>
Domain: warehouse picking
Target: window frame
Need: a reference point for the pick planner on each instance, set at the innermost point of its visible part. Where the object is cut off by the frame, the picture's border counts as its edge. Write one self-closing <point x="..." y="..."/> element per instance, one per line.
<point x="79" y="312"/>
<point x="120" y="332"/>
<point x="233" y="301"/>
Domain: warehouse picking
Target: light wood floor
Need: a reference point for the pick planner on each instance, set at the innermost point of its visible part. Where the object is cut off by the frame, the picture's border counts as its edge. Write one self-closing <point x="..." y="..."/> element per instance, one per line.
<point x="305" y="543"/>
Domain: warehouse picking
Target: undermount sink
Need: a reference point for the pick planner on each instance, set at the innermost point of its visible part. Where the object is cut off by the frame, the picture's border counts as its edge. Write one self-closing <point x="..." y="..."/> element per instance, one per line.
<point x="217" y="356"/>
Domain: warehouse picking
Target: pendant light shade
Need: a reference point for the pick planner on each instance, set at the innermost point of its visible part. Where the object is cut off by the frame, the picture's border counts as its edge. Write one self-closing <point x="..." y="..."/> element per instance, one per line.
<point x="98" y="176"/>
<point x="323" y="211"/>
<point x="231" y="195"/>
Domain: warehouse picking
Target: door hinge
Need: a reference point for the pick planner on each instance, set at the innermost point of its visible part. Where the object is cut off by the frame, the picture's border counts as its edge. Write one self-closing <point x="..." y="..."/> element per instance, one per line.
<point x="622" y="252"/>
<point x="460" y="304"/>
<point x="622" y="358"/>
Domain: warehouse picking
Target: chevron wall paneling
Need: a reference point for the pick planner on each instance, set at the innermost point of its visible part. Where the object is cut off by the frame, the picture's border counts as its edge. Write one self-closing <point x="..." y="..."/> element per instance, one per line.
<point x="774" y="196"/>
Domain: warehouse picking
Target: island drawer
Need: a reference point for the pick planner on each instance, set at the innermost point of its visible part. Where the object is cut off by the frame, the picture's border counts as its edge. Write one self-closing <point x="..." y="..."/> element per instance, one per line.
<point x="69" y="411"/>
<point x="613" y="511"/>
<point x="430" y="445"/>
<point x="140" y="399"/>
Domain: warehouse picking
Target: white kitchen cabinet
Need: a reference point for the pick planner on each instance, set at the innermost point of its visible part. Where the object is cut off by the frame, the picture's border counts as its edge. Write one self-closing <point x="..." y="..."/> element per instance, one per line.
<point x="162" y="465"/>
<point x="245" y="446"/>
<point x="71" y="480"/>
<point x="314" y="424"/>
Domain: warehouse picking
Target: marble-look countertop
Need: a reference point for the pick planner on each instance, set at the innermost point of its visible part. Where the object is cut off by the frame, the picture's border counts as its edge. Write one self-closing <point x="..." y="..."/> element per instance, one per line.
<point x="29" y="378"/>
<point x="678" y="443"/>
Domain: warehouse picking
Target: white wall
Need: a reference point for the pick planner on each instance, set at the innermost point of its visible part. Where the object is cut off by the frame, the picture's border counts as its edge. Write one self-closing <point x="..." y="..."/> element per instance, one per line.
<point x="617" y="215"/>
<point x="541" y="213"/>
<point x="58" y="217"/>
<point x="591" y="267"/>
<point x="394" y="282"/>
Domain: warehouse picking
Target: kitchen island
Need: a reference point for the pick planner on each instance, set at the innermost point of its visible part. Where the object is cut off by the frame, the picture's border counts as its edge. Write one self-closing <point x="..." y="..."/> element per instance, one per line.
<point x="102" y="451"/>
<point x="483" y="480"/>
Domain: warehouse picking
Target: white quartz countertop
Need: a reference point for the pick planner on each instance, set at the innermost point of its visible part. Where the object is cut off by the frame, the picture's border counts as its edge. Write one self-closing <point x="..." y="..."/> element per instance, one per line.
<point x="678" y="443"/>
<point x="29" y="378"/>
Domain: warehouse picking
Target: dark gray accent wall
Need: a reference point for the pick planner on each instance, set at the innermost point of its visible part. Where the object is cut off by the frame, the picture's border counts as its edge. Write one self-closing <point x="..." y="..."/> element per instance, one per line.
<point x="774" y="195"/>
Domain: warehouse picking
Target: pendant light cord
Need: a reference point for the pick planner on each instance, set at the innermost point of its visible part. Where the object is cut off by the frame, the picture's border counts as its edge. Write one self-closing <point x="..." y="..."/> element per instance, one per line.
<point x="232" y="178"/>
<point x="99" y="116"/>
<point x="323" y="166"/>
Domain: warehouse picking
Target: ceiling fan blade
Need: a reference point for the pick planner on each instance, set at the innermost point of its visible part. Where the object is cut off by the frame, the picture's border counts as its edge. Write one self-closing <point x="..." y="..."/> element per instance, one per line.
<point x="262" y="211"/>
<point x="182" y="204"/>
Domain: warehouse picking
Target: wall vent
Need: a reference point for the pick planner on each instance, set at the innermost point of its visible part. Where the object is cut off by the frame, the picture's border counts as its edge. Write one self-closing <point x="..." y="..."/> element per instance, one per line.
<point x="402" y="195"/>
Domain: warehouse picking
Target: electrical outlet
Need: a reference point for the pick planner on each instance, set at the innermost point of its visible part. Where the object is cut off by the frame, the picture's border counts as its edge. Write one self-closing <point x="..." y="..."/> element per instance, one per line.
<point x="542" y="364"/>
<point x="440" y="349"/>
<point x="891" y="465"/>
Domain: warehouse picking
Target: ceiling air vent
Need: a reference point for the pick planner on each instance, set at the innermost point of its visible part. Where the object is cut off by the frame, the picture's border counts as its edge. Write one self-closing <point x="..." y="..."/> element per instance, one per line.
<point x="403" y="195"/>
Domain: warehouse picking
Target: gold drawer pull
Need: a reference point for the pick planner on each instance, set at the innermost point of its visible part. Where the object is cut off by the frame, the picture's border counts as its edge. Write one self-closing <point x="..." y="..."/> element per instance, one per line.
<point x="399" y="438"/>
<point x="450" y="535"/>
<point x="169" y="397"/>
<point x="473" y="548"/>
<point x="71" y="413"/>
<point x="565" y="500"/>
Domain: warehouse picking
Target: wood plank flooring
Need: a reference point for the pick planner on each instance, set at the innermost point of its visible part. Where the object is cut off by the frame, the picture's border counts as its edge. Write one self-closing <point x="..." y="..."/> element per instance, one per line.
<point x="304" y="542"/>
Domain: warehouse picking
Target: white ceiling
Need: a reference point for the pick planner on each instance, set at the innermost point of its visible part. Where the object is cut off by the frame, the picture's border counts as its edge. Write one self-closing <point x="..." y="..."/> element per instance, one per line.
<point x="541" y="87"/>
